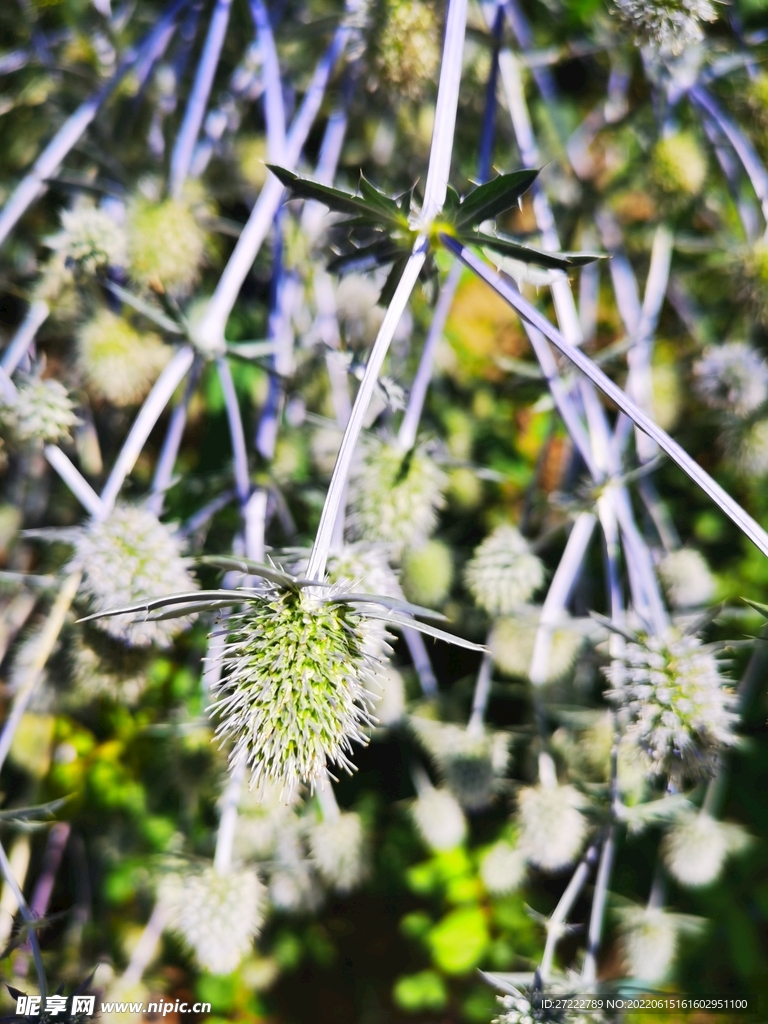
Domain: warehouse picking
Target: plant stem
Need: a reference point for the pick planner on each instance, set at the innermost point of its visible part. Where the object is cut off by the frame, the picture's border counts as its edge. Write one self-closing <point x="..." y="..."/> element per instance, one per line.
<point x="420" y="658"/>
<point x="274" y="110"/>
<point x="225" y="837"/>
<point x="41" y="897"/>
<point x="28" y="917"/>
<point x="480" y="696"/>
<point x="77" y="483"/>
<point x="198" y="98"/>
<point x="589" y="971"/>
<point x="36" y="316"/>
<point x="236" y="432"/>
<point x="44" y="645"/>
<point x="145" y="948"/>
<point x="170" y="450"/>
<point x="562" y="910"/>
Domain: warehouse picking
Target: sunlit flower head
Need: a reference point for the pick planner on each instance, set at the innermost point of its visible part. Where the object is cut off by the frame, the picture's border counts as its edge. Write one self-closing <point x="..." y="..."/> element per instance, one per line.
<point x="697" y="846"/>
<point x="339" y="851"/>
<point x="686" y="578"/>
<point x="503" y="573"/>
<point x="119" y="364"/>
<point x="439" y="819"/>
<point x="668" y="26"/>
<point x="732" y="378"/>
<point x="90" y="239"/>
<point x="552" y="826"/>
<point x="41" y="412"/>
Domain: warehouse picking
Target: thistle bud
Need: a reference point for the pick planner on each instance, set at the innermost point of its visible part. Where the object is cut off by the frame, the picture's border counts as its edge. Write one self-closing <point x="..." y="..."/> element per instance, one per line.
<point x="408" y="49"/>
<point x="118" y="363"/>
<point x="686" y="578"/>
<point x="732" y="378"/>
<point x="166" y="245"/>
<point x="512" y="642"/>
<point x="649" y="939"/>
<point x="427" y="573"/>
<point x="503" y="572"/>
<point x="696" y="847"/>
<point x="41" y="412"/>
<point x="502" y="869"/>
<point x="104" y="667"/>
<point x="90" y="239"/>
<point x="339" y="851"/>
<point x="666" y="26"/>
<point x="679" y="167"/>
<point x="552" y="826"/>
<point x="472" y="764"/>
<point x="439" y="819"/>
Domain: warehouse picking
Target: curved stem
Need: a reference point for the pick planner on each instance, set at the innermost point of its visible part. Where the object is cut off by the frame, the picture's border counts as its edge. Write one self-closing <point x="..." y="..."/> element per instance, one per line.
<point x="28" y="917"/>
<point x="36" y="316"/>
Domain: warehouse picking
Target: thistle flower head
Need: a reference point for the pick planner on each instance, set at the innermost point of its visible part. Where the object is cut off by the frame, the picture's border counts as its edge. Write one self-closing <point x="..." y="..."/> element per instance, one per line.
<point x="90" y="239"/>
<point x="686" y="578"/>
<point x="696" y="847"/>
<point x="104" y="667"/>
<point x="427" y="573"/>
<point x="732" y="377"/>
<point x="126" y="559"/>
<point x="166" y="245"/>
<point x="41" y="412"/>
<point x="552" y="826"/>
<point x="673" y="704"/>
<point x="439" y="819"/>
<point x="679" y="166"/>
<point x="503" y="572"/>
<point x="293" y="693"/>
<point x="366" y="567"/>
<point x="667" y="26"/>
<point x="512" y="643"/>
<point x="118" y="363"/>
<point x="396" y="495"/>
<point x="216" y="915"/>
<point x="338" y="849"/>
<point x="752" y="450"/>
<point x="502" y="868"/>
<point x="649" y="939"/>
<point x="472" y="764"/>
<point x="409" y="53"/>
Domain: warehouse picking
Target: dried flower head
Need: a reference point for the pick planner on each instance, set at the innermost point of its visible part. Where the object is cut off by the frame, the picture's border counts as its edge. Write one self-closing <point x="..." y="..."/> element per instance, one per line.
<point x="339" y="851"/>
<point x="216" y="915"/>
<point x="396" y="495"/>
<point x="512" y="642"/>
<point x="90" y="239"/>
<point x="166" y="245"/>
<point x="552" y="826"/>
<point x="679" y="167"/>
<point x="673" y="704"/>
<point x="732" y="377"/>
<point x="686" y="578"/>
<point x="696" y="847"/>
<point x="668" y="26"/>
<point x="471" y="763"/>
<point x="649" y="939"/>
<point x="502" y="868"/>
<point x="118" y="363"/>
<point x="409" y="54"/>
<point x="41" y="412"/>
<point x="503" y="572"/>
<point x="293" y="693"/>
<point x="427" y="573"/>
<point x="126" y="559"/>
<point x="439" y="819"/>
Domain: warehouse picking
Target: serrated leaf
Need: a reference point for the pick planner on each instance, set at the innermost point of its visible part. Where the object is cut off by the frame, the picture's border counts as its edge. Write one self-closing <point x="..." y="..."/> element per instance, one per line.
<point x="527" y="254"/>
<point x="375" y="254"/>
<point x="380" y="200"/>
<point x="267" y="572"/>
<point x="494" y="197"/>
<point x="388" y="602"/>
<point x="334" y="198"/>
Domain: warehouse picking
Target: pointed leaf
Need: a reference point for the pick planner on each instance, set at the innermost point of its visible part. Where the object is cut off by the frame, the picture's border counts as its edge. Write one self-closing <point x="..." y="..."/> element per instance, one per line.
<point x="380" y="200"/>
<point x="376" y="254"/>
<point x="403" y="621"/>
<point x="762" y="608"/>
<point x="15" y="815"/>
<point x="489" y="200"/>
<point x="194" y="597"/>
<point x="388" y="602"/>
<point x="333" y="198"/>
<point x="268" y="572"/>
<point x="526" y="254"/>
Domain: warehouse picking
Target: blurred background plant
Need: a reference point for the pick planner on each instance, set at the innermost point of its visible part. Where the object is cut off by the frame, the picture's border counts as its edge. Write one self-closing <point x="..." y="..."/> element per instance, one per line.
<point x="180" y="359"/>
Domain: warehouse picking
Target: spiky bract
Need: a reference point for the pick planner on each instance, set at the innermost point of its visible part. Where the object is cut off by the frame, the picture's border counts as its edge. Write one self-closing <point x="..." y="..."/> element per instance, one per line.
<point x="471" y="763"/>
<point x="686" y="578"/>
<point x="41" y="412"/>
<point x="696" y="847"/>
<point x="216" y="915"/>
<point x="552" y="826"/>
<point x="293" y="694"/>
<point x="396" y="495"/>
<point x="673" y="704"/>
<point x="119" y="364"/>
<point x="502" y="868"/>
<point x="90" y="239"/>
<point x="668" y="26"/>
<point x="503" y="572"/>
<point x="512" y="642"/>
<point x="427" y="573"/>
<point x="439" y="819"/>
<point x="732" y="378"/>
<point x="126" y="559"/>
<point x="166" y="245"/>
<point x="339" y="851"/>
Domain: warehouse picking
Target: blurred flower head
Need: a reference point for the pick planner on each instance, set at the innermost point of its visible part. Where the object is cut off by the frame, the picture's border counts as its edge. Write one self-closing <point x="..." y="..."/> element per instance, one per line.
<point x="686" y="578"/>
<point x="503" y="573"/>
<point x="696" y="847"/>
<point x="339" y="851"/>
<point x="166" y="245"/>
<point x="502" y="868"/>
<point x="732" y="377"/>
<point x="668" y="26"/>
<point x="552" y="826"/>
<point x="119" y="364"/>
<point x="41" y="412"/>
<point x="439" y="819"/>
<point x="427" y="573"/>
<point x="472" y="763"/>
<point x="90" y="239"/>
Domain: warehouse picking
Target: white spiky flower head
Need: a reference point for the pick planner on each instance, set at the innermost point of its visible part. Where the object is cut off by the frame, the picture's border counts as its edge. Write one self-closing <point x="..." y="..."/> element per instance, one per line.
<point x="471" y="762"/>
<point x="439" y="819"/>
<point x="339" y="850"/>
<point x="673" y="704"/>
<point x="502" y="868"/>
<point x="512" y="641"/>
<point x="126" y="559"/>
<point x="427" y="573"/>
<point x="104" y="667"/>
<point x="752" y="452"/>
<point x="503" y="573"/>
<point x="686" y="578"/>
<point x="732" y="378"/>
<point x="293" y="693"/>
<point x="118" y="363"/>
<point x="649" y="938"/>
<point x="166" y="245"/>
<point x="667" y="26"/>
<point x="395" y="495"/>
<point x="696" y="847"/>
<point x="388" y="689"/>
<point x="552" y="827"/>
<point x="41" y="412"/>
<point x="216" y="915"/>
<point x="409" y="53"/>
<point x="90" y="239"/>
